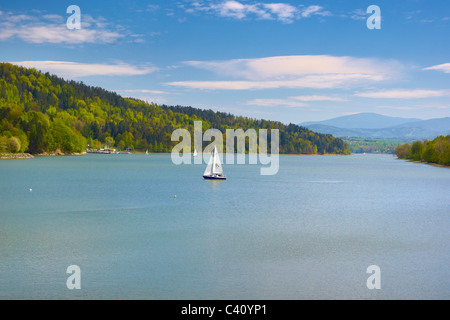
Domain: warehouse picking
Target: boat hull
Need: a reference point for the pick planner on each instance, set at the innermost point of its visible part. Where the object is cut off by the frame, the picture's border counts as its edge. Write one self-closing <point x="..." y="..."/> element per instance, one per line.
<point x="214" y="178"/>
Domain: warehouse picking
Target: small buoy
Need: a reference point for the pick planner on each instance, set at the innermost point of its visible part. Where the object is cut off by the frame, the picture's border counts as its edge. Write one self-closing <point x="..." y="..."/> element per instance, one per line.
<point x="175" y="196"/>
<point x="31" y="189"/>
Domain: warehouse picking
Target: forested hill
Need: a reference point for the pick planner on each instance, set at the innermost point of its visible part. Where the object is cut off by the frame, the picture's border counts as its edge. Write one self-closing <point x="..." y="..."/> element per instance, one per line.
<point x="43" y="113"/>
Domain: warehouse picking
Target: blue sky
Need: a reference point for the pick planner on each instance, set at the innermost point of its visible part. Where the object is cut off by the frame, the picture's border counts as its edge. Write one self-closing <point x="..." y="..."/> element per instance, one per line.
<point x="290" y="61"/>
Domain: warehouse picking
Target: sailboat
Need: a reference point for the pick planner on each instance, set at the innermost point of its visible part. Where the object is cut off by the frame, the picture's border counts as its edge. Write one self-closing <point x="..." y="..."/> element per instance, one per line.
<point x="146" y="152"/>
<point x="195" y="153"/>
<point x="214" y="169"/>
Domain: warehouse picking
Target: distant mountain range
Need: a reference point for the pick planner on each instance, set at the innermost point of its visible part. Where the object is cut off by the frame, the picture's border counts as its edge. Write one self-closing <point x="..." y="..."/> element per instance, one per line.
<point x="372" y="125"/>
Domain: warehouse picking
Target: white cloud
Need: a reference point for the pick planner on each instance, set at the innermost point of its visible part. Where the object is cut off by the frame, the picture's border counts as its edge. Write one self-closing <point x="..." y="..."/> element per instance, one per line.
<point x="297" y="101"/>
<point x="152" y="8"/>
<point x="283" y="12"/>
<point x="51" y="28"/>
<point x="283" y="66"/>
<point x="6" y="33"/>
<point x="18" y="18"/>
<point x="404" y="94"/>
<point x="314" y="10"/>
<point x="321" y="71"/>
<point x="445" y="67"/>
<point x="71" y="70"/>
<point x="276" y="103"/>
<point x="232" y="9"/>
<point x="318" y="98"/>
<point x="358" y="14"/>
<point x="53" y="17"/>
<point x="313" y="82"/>
<point x="60" y="34"/>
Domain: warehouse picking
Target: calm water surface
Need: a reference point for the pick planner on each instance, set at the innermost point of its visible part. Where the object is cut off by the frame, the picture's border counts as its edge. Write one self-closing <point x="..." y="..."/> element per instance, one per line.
<point x="309" y="232"/>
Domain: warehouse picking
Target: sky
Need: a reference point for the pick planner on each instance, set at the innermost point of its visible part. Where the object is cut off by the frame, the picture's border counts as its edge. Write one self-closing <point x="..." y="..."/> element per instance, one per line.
<point x="288" y="61"/>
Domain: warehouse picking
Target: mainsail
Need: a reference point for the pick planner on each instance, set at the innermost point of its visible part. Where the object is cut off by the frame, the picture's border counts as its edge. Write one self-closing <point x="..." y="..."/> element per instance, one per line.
<point x="217" y="166"/>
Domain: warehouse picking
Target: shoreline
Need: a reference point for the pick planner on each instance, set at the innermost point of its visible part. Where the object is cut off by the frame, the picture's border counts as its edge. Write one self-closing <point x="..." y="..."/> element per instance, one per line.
<point x="15" y="156"/>
<point x="428" y="163"/>
<point x="60" y="154"/>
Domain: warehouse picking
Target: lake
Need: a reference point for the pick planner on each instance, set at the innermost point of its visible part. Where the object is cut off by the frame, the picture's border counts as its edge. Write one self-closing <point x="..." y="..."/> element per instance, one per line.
<point x="309" y="232"/>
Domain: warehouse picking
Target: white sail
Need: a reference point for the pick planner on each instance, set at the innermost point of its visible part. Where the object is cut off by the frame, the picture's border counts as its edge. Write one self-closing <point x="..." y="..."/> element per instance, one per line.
<point x="195" y="153"/>
<point x="217" y="166"/>
<point x="208" y="171"/>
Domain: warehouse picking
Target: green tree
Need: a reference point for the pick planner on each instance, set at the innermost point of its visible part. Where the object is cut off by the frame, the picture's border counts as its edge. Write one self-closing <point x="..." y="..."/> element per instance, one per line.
<point x="23" y="139"/>
<point x="429" y="153"/>
<point x="67" y="139"/>
<point x="13" y="145"/>
<point x="38" y="127"/>
<point x="416" y="151"/>
<point x="403" y="151"/>
<point x="3" y="144"/>
<point x="109" y="142"/>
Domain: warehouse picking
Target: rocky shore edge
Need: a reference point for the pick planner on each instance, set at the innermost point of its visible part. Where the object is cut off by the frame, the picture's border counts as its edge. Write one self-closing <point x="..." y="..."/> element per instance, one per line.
<point x="15" y="156"/>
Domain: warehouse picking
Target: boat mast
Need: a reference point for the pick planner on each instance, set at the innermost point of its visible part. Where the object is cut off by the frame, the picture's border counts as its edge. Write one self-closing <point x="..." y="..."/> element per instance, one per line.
<point x="214" y="160"/>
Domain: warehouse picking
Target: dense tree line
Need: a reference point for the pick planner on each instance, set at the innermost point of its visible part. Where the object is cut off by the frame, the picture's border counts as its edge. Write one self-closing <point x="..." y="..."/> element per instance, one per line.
<point x="372" y="145"/>
<point x="43" y="113"/>
<point x="434" y="151"/>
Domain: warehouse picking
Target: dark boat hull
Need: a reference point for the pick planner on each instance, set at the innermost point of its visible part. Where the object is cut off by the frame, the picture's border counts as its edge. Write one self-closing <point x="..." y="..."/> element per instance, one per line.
<point x="214" y="178"/>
